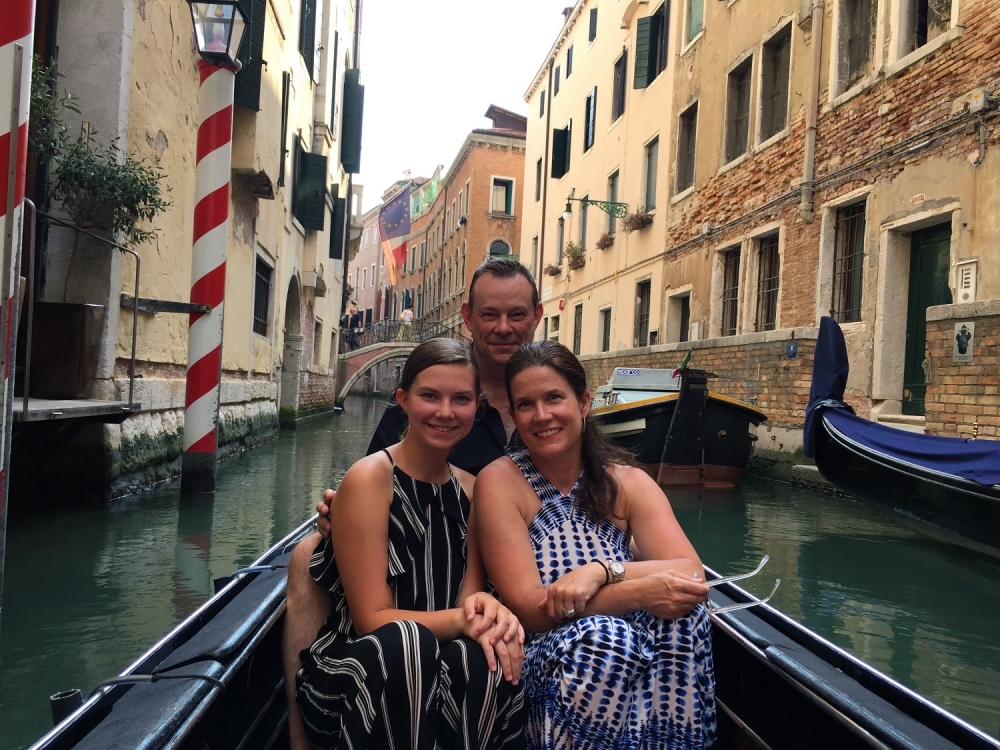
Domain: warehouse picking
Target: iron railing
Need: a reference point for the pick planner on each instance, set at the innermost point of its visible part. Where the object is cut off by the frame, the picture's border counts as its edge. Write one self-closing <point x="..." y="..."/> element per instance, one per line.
<point x="392" y="331"/>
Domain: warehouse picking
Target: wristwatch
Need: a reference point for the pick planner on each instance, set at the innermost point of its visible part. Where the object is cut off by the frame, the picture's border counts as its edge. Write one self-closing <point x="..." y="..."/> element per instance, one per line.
<point x="617" y="570"/>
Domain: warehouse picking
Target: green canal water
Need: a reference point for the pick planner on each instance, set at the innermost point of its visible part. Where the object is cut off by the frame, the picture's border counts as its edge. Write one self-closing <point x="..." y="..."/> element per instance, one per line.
<point x="87" y="591"/>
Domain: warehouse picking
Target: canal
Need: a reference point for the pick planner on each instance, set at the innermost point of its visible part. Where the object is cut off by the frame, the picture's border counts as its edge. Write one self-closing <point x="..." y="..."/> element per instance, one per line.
<point x="88" y="590"/>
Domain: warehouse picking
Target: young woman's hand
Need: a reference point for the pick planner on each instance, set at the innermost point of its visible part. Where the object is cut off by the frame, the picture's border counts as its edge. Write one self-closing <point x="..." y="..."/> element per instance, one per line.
<point x="670" y="594"/>
<point x="483" y="613"/>
<point x="508" y="654"/>
<point x="571" y="592"/>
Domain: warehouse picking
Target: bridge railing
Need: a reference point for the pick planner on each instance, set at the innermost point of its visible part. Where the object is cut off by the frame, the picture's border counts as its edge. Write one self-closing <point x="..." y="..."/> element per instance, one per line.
<point x="389" y="331"/>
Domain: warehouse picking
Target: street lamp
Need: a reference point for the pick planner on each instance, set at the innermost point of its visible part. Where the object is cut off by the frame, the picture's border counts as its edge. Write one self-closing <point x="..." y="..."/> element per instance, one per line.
<point x="218" y="30"/>
<point x="612" y="208"/>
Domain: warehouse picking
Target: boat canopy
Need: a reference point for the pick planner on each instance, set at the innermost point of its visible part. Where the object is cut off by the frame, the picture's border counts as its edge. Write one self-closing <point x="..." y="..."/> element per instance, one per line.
<point x="974" y="460"/>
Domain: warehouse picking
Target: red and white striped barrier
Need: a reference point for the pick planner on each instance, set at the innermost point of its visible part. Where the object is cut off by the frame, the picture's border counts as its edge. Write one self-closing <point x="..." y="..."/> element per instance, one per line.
<point x="208" y="277"/>
<point x="15" y="76"/>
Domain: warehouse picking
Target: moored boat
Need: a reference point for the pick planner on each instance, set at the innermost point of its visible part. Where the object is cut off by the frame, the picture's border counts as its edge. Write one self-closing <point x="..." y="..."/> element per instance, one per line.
<point x="946" y="487"/>
<point x="680" y="432"/>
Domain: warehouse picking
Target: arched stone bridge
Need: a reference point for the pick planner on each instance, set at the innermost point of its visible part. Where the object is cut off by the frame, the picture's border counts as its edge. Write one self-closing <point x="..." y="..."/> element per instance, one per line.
<point x="365" y="348"/>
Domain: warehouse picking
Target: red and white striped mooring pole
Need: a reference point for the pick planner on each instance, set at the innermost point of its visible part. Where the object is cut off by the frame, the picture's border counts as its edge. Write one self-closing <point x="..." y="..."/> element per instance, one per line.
<point x="15" y="86"/>
<point x="208" y="277"/>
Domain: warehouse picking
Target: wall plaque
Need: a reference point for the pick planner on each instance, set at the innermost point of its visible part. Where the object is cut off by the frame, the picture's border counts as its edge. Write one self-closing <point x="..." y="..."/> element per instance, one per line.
<point x="965" y="336"/>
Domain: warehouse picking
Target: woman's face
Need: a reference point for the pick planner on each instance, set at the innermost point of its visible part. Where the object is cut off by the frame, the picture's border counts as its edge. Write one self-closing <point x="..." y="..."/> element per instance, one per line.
<point x="547" y="413"/>
<point x="441" y="404"/>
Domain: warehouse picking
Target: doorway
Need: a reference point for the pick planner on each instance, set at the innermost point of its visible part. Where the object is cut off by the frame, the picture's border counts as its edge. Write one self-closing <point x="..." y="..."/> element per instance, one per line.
<point x="930" y="262"/>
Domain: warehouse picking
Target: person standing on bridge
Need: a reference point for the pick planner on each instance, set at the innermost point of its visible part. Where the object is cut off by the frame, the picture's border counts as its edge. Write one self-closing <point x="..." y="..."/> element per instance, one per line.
<point x="501" y="313"/>
<point x="405" y="332"/>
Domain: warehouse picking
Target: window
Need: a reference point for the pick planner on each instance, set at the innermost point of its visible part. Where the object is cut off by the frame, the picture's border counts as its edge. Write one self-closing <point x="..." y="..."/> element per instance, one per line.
<point x="569" y="63"/>
<point x="618" y="88"/>
<point x="641" y="327"/>
<point x="604" y="330"/>
<point x="554" y="328"/>
<point x="695" y="18"/>
<point x="364" y="278"/>
<point x="261" y="296"/>
<point x="649" y="191"/>
<point x="592" y="34"/>
<point x="420" y="300"/>
<point x="307" y="36"/>
<point x="413" y="259"/>
<point x="468" y="192"/>
<point x="583" y="223"/>
<point x="374" y="277"/>
<point x="577" y="327"/>
<point x="768" y="271"/>
<point x="923" y="21"/>
<point x="857" y="41"/>
<point x="503" y="197"/>
<point x="555" y="83"/>
<point x="848" y="263"/>
<point x="774" y="83"/>
<point x="686" y="143"/>
<point x="534" y="253"/>
<point x="730" y="291"/>
<point x="538" y="180"/>
<point x="613" y="198"/>
<point x="318" y="338"/>
<point x="651" y="40"/>
<point x="461" y="203"/>
<point x="562" y="140"/>
<point x="560" y="240"/>
<point x="499" y="247"/>
<point x="541" y="104"/>
<point x="423" y="254"/>
<point x="286" y="93"/>
<point x="738" y="110"/>
<point x="590" y="108"/>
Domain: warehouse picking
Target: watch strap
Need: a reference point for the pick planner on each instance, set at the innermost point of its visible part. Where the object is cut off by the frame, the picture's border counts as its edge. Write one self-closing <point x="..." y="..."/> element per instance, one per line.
<point x="607" y="571"/>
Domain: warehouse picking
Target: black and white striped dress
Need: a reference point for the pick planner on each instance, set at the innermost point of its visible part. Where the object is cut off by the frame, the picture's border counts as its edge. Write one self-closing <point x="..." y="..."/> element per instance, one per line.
<point x="398" y="687"/>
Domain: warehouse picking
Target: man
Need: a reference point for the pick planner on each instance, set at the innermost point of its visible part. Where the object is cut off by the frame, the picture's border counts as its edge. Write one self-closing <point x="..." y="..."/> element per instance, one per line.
<point x="356" y="325"/>
<point x="501" y="314"/>
<point x="405" y="332"/>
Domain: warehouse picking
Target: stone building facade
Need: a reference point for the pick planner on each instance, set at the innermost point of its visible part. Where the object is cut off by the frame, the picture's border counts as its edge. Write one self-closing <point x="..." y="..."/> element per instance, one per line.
<point x="818" y="158"/>
<point x="284" y="279"/>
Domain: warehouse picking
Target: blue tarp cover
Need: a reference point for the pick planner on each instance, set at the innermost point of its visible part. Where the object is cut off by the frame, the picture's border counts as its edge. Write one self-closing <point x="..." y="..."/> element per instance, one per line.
<point x="975" y="460"/>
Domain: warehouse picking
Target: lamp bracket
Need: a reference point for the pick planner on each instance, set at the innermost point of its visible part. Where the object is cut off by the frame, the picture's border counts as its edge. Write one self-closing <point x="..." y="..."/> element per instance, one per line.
<point x="611" y="208"/>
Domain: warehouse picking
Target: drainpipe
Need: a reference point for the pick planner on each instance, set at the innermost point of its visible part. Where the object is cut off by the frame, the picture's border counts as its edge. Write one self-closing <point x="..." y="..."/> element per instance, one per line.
<point x="545" y="175"/>
<point x="812" y="111"/>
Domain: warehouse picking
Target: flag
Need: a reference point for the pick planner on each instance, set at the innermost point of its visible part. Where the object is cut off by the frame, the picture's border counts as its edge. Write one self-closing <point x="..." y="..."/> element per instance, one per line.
<point x="393" y="228"/>
<point x="423" y="197"/>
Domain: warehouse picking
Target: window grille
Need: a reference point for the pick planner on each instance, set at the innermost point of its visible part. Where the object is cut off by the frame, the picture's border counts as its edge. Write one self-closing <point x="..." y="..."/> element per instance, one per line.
<point x="605" y="329"/>
<point x="774" y="97"/>
<point x="738" y="111"/>
<point x="767" y="283"/>
<point x="577" y="328"/>
<point x="618" y="88"/>
<point x="730" y="290"/>
<point x="261" y="296"/>
<point x="848" y="263"/>
<point x="641" y="337"/>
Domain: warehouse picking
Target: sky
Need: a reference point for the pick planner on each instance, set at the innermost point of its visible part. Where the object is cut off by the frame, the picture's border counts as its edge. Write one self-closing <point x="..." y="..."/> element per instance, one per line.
<point x="431" y="68"/>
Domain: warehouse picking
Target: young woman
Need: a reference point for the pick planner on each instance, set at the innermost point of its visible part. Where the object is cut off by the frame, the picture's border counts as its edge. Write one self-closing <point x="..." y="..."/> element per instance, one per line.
<point x="621" y="656"/>
<point x="415" y="654"/>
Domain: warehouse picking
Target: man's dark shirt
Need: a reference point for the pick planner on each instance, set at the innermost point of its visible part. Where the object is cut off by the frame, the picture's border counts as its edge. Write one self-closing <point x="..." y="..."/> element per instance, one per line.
<point x="483" y="445"/>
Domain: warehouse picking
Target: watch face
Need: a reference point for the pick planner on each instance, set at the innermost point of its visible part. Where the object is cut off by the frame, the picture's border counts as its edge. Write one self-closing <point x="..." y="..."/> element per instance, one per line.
<point x="617" y="569"/>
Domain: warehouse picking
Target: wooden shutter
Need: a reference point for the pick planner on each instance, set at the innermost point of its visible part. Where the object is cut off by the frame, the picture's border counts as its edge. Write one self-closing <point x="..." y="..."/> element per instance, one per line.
<point x="591" y="116"/>
<point x="351" y="120"/>
<point x="307" y="34"/>
<point x="643" y="45"/>
<point x="286" y="86"/>
<point x="309" y="200"/>
<point x="333" y="85"/>
<point x="560" y="148"/>
<point x="337" y="223"/>
<point x="250" y="56"/>
<point x="593" y="25"/>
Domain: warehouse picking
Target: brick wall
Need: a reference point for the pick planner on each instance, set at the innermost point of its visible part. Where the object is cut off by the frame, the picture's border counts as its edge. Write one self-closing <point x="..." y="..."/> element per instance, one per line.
<point x="316" y="392"/>
<point x="960" y="394"/>
<point x="754" y="366"/>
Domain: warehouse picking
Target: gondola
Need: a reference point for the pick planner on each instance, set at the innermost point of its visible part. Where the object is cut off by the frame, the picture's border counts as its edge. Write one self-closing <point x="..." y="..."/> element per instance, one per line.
<point x="219" y="683"/>
<point x="946" y="487"/>
<point x="680" y="432"/>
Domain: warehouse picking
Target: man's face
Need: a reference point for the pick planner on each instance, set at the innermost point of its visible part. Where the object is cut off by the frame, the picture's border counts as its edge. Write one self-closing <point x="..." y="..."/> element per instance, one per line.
<point x="503" y="318"/>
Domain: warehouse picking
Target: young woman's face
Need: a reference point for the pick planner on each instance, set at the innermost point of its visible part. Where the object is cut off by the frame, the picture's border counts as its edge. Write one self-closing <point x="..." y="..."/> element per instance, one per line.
<point x="548" y="414"/>
<point x="441" y="404"/>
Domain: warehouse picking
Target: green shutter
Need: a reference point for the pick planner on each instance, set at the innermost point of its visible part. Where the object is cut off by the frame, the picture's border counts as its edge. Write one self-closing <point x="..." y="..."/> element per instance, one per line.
<point x="333" y="83"/>
<point x="309" y="199"/>
<point x="307" y="34"/>
<point x="643" y="45"/>
<point x="591" y="117"/>
<point x="593" y="25"/>
<point x="250" y="56"/>
<point x="286" y="92"/>
<point x="560" y="139"/>
<point x="351" y="121"/>
<point x="337" y="224"/>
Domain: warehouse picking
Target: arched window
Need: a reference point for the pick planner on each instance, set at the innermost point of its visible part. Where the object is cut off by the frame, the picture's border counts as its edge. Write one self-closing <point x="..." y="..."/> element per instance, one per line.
<point x="499" y="247"/>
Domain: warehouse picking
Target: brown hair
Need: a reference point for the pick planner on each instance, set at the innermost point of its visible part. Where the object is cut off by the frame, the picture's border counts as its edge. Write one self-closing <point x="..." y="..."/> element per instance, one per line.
<point x="598" y="493"/>
<point x="504" y="268"/>
<point x="439" y="351"/>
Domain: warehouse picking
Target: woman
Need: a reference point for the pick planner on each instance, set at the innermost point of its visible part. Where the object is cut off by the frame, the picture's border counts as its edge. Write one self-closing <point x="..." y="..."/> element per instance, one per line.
<point x="415" y="655"/>
<point x="622" y="653"/>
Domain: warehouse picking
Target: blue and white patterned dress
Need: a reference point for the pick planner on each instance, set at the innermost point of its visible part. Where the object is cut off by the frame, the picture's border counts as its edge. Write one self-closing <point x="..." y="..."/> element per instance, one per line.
<point x="610" y="683"/>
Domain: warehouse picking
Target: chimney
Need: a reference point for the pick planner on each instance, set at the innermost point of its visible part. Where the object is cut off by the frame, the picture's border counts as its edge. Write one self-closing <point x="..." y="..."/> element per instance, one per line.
<point x="566" y="13"/>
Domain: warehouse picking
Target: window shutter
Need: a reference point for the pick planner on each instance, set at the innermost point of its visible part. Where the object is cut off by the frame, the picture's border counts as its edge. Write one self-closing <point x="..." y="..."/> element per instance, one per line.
<point x="593" y="25"/>
<point x="250" y="56"/>
<point x="560" y="147"/>
<point x="307" y="34"/>
<point x="308" y="203"/>
<point x="643" y="44"/>
<point x="592" y="109"/>
<point x="286" y="85"/>
<point x="351" y="122"/>
<point x="333" y="85"/>
<point x="337" y="224"/>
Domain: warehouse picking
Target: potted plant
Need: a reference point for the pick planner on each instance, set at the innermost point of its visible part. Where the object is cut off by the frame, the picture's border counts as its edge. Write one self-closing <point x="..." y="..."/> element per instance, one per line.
<point x="551" y="269"/>
<point x="576" y="256"/>
<point x="605" y="241"/>
<point x="640" y="219"/>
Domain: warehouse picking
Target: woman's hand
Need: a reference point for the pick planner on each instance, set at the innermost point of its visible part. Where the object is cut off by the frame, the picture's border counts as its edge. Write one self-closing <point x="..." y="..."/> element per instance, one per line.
<point x="670" y="594"/>
<point x="508" y="653"/>
<point x="497" y="630"/>
<point x="571" y="592"/>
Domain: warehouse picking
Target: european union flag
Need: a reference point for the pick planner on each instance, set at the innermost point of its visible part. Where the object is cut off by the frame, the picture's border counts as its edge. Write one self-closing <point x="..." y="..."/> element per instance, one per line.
<point x="393" y="228"/>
